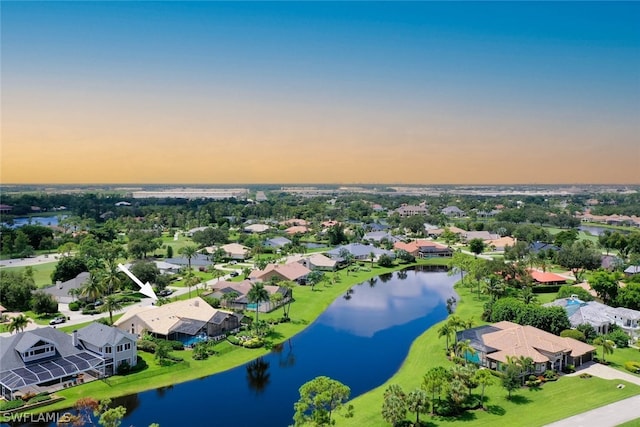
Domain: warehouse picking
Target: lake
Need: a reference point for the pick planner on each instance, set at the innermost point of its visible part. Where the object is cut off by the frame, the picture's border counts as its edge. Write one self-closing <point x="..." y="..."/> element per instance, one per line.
<point x="51" y="220"/>
<point x="360" y="340"/>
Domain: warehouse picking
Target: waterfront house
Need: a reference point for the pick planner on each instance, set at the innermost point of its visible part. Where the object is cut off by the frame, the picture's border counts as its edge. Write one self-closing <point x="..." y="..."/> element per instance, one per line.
<point x="493" y="343"/>
<point x="293" y="271"/>
<point x="241" y="301"/>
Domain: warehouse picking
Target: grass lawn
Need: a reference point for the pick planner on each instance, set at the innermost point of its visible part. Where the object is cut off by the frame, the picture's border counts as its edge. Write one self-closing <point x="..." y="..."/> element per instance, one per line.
<point x="41" y="272"/>
<point x="40" y="319"/>
<point x="632" y="423"/>
<point x="309" y="304"/>
<point x="620" y="356"/>
<point x="528" y="408"/>
<point x="581" y="234"/>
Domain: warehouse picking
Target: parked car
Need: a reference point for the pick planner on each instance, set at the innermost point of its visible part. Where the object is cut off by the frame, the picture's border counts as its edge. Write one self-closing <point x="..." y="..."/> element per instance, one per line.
<point x="58" y="320"/>
<point x="234" y="274"/>
<point x="98" y="303"/>
<point x="165" y="292"/>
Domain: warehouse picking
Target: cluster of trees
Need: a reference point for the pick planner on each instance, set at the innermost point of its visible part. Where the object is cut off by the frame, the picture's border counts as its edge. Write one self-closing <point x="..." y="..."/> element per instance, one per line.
<point x="17" y="293"/>
<point x="320" y="398"/>
<point x="24" y="241"/>
<point x="550" y="319"/>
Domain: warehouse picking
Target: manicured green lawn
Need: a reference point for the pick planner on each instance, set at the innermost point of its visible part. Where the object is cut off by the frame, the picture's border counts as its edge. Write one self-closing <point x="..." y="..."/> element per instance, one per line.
<point x="529" y="408"/>
<point x="620" y="356"/>
<point x="41" y="272"/>
<point x="632" y="423"/>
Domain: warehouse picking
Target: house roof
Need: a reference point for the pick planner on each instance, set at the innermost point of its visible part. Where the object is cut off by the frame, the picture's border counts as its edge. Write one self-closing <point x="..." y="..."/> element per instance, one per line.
<point x="235" y="248"/>
<point x="62" y="290"/>
<point x="243" y="288"/>
<point x="358" y="250"/>
<point x="546" y="277"/>
<point x="515" y="340"/>
<point x="291" y="271"/>
<point x="277" y="241"/>
<point x="256" y="228"/>
<point x="198" y="260"/>
<point x="541" y="246"/>
<point x="163" y="319"/>
<point x="99" y="335"/>
<point x="295" y="221"/>
<point x="632" y="269"/>
<point x="295" y="229"/>
<point x="501" y="242"/>
<point x="320" y="260"/>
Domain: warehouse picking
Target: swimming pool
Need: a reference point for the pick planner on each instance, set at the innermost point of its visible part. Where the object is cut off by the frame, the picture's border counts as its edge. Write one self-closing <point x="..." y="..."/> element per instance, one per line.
<point x="190" y="341"/>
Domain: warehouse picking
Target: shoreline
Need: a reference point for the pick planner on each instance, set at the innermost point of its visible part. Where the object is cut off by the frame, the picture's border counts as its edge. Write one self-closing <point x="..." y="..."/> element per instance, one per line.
<point x="119" y="386"/>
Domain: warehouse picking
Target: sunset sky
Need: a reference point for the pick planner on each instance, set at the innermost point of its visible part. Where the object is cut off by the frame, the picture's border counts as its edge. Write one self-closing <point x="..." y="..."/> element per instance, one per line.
<point x="305" y="92"/>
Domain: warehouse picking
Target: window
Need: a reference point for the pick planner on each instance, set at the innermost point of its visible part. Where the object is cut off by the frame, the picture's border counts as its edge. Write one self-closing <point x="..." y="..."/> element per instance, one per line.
<point x="127" y="346"/>
<point x="107" y="349"/>
<point x="119" y="348"/>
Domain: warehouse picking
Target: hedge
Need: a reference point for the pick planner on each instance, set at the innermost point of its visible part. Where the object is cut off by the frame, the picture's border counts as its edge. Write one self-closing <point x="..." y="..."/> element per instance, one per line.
<point x="632" y="366"/>
<point x="39" y="398"/>
<point x="546" y="289"/>
<point x="11" y="404"/>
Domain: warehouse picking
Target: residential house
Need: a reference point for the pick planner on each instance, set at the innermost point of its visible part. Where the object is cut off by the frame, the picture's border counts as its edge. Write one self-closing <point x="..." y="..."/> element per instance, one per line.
<point x="163" y="267"/>
<point x="277" y="242"/>
<point x="452" y="211"/>
<point x="294" y="221"/>
<point x="378" y="236"/>
<point x="198" y="260"/>
<point x="297" y="229"/>
<point x="411" y="210"/>
<point x="42" y="358"/>
<point x="113" y="345"/>
<point x="315" y="261"/>
<point x="60" y="291"/>
<point x="600" y="316"/>
<point x="180" y="320"/>
<point x="611" y="262"/>
<point x="467" y="236"/>
<point x="359" y="252"/>
<point x="241" y="302"/>
<point x="236" y="251"/>
<point x="424" y="249"/>
<point x="256" y="228"/>
<point x="437" y="232"/>
<point x="499" y="244"/>
<point x="494" y="343"/>
<point x="632" y="270"/>
<point x="294" y="271"/>
<point x="547" y="278"/>
<point x="536" y="247"/>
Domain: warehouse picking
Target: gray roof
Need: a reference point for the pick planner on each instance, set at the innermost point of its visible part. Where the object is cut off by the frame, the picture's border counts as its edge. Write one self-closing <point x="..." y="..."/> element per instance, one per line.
<point x="633" y="269"/>
<point x="358" y="250"/>
<point x="277" y="241"/>
<point x="592" y="312"/>
<point x="99" y="335"/>
<point x="474" y="335"/>
<point x="11" y="345"/>
<point x="221" y="316"/>
<point x="188" y="326"/>
<point x="199" y="260"/>
<point x="61" y="291"/>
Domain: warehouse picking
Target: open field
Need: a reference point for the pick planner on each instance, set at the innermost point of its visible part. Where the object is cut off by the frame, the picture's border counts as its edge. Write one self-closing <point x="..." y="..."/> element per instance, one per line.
<point x="41" y="273"/>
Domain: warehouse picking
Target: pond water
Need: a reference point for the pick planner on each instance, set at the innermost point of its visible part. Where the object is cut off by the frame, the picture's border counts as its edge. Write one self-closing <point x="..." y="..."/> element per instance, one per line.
<point x="51" y="220"/>
<point x="360" y="340"/>
<point x="597" y="231"/>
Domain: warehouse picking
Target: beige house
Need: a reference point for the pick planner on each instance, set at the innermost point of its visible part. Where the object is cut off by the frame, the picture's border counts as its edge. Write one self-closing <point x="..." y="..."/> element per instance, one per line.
<point x="293" y="271"/>
<point x="179" y="320"/>
<point x="241" y="302"/>
<point x="235" y="251"/>
<point x="494" y="343"/>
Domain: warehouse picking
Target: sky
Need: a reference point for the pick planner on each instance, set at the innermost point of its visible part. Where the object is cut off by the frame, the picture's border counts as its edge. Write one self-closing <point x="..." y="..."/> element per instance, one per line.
<point x="320" y="92"/>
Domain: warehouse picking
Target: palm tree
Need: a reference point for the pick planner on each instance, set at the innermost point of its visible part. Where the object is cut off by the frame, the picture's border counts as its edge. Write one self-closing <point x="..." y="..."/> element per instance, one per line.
<point x="418" y="402"/>
<point x="191" y="280"/>
<point x="111" y="277"/>
<point x="527" y="296"/>
<point x="464" y="347"/>
<point x="229" y="297"/>
<point x="455" y="322"/>
<point x="483" y="378"/>
<point x="189" y="252"/>
<point x="446" y="330"/>
<point x="94" y="288"/>
<point x="347" y="257"/>
<point x="110" y="305"/>
<point x="256" y="295"/>
<point x="607" y="345"/>
<point x="74" y="293"/>
<point x="18" y="323"/>
<point x="526" y="364"/>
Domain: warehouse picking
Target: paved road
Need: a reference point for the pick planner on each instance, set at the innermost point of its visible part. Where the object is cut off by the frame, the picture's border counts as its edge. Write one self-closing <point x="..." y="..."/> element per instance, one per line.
<point x="24" y="262"/>
<point x="609" y="415"/>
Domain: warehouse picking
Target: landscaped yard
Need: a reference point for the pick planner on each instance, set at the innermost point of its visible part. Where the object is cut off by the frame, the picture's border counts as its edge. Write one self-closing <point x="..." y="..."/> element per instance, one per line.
<point x="529" y="407"/>
<point x="41" y="272"/>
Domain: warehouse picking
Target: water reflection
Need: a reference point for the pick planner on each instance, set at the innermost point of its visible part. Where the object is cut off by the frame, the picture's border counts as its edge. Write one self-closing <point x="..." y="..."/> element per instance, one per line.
<point x="286" y="358"/>
<point x="258" y="376"/>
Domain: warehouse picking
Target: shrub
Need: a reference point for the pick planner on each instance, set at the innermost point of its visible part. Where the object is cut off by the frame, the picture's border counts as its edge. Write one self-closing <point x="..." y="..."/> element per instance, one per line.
<point x="176" y="345"/>
<point x="253" y="343"/>
<point x="568" y="369"/>
<point x="11" y="404"/>
<point x="619" y="337"/>
<point x="573" y="333"/>
<point x="147" y="345"/>
<point x="550" y="375"/>
<point x="123" y="368"/>
<point x="74" y="306"/>
<point x="200" y="351"/>
<point x="89" y="311"/>
<point x="585" y="375"/>
<point x="39" y="398"/>
<point x="632" y="366"/>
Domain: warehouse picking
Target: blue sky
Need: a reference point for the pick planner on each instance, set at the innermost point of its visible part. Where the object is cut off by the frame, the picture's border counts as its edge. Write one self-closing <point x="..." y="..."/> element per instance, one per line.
<point x="306" y="84"/>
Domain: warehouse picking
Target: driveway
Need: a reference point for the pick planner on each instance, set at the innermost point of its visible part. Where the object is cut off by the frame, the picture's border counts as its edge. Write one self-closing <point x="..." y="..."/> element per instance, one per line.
<point x="23" y="262"/>
<point x="609" y="415"/>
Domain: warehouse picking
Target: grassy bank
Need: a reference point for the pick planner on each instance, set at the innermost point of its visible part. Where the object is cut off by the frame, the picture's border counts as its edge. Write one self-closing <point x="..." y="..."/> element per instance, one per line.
<point x="309" y="304"/>
<point x="530" y="407"/>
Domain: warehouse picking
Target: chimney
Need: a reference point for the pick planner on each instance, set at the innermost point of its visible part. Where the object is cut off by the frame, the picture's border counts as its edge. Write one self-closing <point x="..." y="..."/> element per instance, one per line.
<point x="74" y="338"/>
<point x="196" y="303"/>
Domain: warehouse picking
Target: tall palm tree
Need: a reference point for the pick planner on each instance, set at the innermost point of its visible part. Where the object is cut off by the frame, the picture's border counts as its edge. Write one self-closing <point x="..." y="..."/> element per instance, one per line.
<point x="111" y="277"/>
<point x="189" y="252"/>
<point x="526" y="364"/>
<point x="256" y="295"/>
<point x="464" y="348"/>
<point x="18" y="323"/>
<point x="607" y="345"/>
<point x="229" y="297"/>
<point x="455" y="322"/>
<point x="446" y="330"/>
<point x="74" y="293"/>
<point x="110" y="305"/>
<point x="94" y="288"/>
<point x="191" y="280"/>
